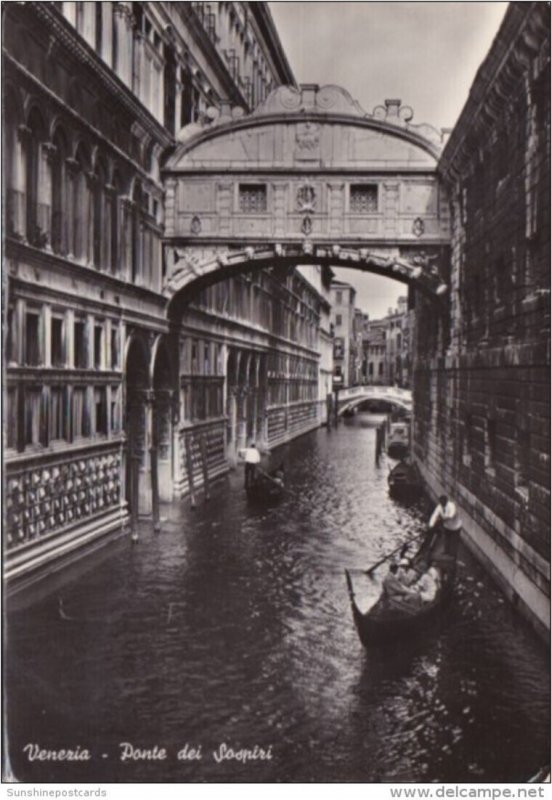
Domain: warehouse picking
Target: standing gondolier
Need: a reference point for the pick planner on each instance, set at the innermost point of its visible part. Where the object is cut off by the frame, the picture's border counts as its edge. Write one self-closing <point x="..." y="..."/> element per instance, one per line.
<point x="446" y="513"/>
<point x="252" y="459"/>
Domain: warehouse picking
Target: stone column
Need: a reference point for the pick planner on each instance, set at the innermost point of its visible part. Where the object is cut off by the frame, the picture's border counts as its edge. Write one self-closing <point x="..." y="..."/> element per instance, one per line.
<point x="123" y="42"/>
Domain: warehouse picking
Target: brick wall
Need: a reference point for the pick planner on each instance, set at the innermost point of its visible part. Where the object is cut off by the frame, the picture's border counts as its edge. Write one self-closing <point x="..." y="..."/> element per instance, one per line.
<point x="481" y="397"/>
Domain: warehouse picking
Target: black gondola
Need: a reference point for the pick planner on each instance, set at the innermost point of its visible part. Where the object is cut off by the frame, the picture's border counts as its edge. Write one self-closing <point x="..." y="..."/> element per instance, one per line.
<point x="266" y="488"/>
<point x="404" y="482"/>
<point x="383" y="623"/>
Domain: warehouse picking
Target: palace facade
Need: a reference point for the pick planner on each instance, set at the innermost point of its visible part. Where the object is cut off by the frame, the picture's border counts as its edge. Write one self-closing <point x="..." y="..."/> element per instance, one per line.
<point x="111" y="406"/>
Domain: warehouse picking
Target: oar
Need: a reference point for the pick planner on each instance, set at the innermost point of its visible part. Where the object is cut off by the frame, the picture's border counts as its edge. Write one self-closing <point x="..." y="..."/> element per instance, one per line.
<point x="401" y="547"/>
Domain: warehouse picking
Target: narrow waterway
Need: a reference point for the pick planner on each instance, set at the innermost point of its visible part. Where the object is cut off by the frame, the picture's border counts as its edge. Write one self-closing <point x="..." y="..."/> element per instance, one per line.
<point x="232" y="626"/>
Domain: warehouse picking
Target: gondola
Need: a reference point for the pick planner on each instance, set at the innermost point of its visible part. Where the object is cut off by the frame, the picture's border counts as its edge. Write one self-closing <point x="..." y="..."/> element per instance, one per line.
<point x="382" y="623"/>
<point x="265" y="489"/>
<point x="404" y="482"/>
<point x="399" y="439"/>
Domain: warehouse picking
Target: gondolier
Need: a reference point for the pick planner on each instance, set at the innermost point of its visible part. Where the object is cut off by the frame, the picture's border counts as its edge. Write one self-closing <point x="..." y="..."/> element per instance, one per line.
<point x="252" y="459"/>
<point x="446" y="513"/>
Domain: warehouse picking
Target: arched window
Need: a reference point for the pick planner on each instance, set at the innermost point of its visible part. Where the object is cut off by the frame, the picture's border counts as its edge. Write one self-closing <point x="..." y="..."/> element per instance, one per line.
<point x="101" y="221"/>
<point x="37" y="213"/>
<point x="81" y="206"/>
<point x="114" y="223"/>
<point x="13" y="165"/>
<point x="59" y="209"/>
<point x="136" y="252"/>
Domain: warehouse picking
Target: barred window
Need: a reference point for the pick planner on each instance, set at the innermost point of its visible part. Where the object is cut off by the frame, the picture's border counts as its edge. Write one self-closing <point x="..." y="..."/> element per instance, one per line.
<point x="100" y="410"/>
<point x="252" y="198"/>
<point x="364" y="198"/>
<point x="57" y="342"/>
<point x="33" y="414"/>
<point x="79" y="415"/>
<point x="12" y="417"/>
<point x="57" y="412"/>
<point x="32" y="338"/>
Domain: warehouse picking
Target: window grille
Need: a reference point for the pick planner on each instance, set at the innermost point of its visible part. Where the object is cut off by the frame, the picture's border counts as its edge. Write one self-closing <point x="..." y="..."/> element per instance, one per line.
<point x="32" y="346"/>
<point x="78" y="415"/>
<point x="57" y="412"/>
<point x="364" y="199"/>
<point x="253" y="198"/>
<point x="80" y="344"/>
<point x="58" y="358"/>
<point x="100" y="404"/>
<point x="33" y="415"/>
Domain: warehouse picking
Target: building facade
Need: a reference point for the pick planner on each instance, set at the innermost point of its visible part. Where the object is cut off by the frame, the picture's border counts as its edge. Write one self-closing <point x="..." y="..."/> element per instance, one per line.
<point x="344" y="343"/>
<point x="482" y="368"/>
<point x="386" y="347"/>
<point x="109" y="408"/>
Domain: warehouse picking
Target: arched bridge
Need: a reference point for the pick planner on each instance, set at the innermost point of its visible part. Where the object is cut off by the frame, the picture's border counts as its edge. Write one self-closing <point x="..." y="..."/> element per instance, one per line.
<point x="308" y="177"/>
<point x="351" y="398"/>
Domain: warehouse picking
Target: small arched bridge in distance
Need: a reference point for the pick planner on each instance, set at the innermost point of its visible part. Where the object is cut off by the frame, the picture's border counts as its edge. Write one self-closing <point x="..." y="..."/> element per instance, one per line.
<point x="349" y="399"/>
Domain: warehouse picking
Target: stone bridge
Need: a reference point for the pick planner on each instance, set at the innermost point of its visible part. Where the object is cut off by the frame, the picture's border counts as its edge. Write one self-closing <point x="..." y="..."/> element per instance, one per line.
<point x="308" y="178"/>
<point x="349" y="399"/>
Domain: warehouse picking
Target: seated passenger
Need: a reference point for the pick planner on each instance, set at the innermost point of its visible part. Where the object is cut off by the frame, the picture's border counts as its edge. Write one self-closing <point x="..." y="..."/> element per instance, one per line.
<point x="396" y="594"/>
<point x="407" y="574"/>
<point x="428" y="585"/>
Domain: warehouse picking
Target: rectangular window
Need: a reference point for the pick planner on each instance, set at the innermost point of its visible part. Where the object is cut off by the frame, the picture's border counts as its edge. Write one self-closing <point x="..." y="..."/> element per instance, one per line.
<point x="12" y="418"/>
<point x="11" y="337"/>
<point x="32" y="345"/>
<point x="98" y="346"/>
<point x="79" y="417"/>
<point x="100" y="410"/>
<point x="206" y="360"/>
<point x="80" y="344"/>
<point x="252" y="198"/>
<point x="338" y="319"/>
<point x="114" y="348"/>
<point x="364" y="199"/>
<point x="115" y="422"/>
<point x="57" y="412"/>
<point x="58" y="350"/>
<point x="33" y="415"/>
<point x="338" y="298"/>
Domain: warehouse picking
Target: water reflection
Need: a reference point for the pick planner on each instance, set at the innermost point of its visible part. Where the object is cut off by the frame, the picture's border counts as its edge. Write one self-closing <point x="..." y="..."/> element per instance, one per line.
<point x="233" y="625"/>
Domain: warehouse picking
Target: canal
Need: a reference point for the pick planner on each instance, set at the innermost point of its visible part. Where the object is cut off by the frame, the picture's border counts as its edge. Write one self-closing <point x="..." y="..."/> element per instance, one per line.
<point x="232" y="627"/>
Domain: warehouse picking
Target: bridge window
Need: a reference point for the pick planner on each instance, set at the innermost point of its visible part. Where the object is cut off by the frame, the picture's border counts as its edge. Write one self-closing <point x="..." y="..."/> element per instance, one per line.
<point x="363" y="199"/>
<point x="252" y="198"/>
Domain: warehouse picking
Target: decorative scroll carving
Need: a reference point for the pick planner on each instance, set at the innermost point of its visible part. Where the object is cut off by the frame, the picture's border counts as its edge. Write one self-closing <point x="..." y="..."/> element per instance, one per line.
<point x="418" y="227"/>
<point x="306" y="225"/>
<point x="307" y="140"/>
<point x="306" y="197"/>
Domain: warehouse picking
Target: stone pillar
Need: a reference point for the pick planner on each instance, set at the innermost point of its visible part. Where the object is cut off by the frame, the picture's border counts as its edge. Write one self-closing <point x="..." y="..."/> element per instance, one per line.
<point x="123" y="42"/>
<point x="241" y="426"/>
<point x="146" y="398"/>
<point x="47" y="335"/>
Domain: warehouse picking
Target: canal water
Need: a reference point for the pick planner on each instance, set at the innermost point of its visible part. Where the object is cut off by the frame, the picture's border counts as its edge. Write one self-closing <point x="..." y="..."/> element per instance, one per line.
<point x="231" y="629"/>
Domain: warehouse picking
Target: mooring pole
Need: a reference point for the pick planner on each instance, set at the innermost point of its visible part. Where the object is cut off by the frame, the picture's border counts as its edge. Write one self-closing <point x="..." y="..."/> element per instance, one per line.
<point x="190" y="470"/>
<point x="205" y="466"/>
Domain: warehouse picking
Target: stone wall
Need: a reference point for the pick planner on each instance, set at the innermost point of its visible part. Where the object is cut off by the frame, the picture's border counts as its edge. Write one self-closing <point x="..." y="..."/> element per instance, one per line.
<point x="481" y="396"/>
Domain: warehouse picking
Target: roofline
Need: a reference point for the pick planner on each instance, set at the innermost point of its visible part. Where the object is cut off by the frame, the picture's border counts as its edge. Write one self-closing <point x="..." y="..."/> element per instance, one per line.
<point x="265" y="20"/>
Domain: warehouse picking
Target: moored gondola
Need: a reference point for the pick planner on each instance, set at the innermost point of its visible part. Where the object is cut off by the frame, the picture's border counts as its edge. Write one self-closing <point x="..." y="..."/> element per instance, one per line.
<point x="385" y="622"/>
<point x="265" y="489"/>
<point x="405" y="482"/>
